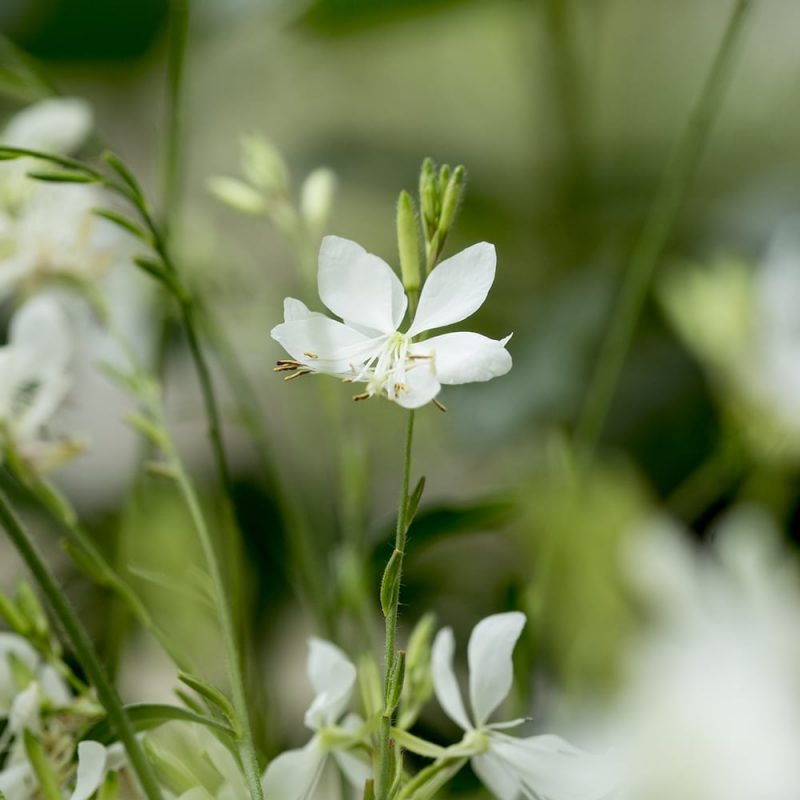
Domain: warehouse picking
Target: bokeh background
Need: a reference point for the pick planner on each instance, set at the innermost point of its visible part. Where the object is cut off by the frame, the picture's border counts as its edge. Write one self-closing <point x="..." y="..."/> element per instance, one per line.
<point x="564" y="113"/>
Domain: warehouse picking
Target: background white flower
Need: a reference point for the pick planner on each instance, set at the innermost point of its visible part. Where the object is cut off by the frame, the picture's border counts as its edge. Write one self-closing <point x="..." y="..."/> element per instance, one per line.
<point x="511" y="767"/>
<point x="293" y="775"/>
<point x="711" y="704"/>
<point x="367" y="346"/>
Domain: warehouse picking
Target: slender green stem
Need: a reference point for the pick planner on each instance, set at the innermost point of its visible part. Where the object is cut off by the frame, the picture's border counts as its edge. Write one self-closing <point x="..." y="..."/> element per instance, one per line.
<point x="655" y="234"/>
<point x="176" y="58"/>
<point x="232" y="656"/>
<point x="82" y="645"/>
<point x="401" y="536"/>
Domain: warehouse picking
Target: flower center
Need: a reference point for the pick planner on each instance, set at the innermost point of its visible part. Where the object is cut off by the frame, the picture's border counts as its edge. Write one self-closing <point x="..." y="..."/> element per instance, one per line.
<point x="388" y="376"/>
<point x="476" y="741"/>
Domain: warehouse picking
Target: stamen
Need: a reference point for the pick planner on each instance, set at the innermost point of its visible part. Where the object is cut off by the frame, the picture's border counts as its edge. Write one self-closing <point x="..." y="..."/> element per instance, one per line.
<point x="440" y="406"/>
<point x="298" y="374"/>
<point x="362" y="396"/>
<point x="287" y="366"/>
<point x="311" y="355"/>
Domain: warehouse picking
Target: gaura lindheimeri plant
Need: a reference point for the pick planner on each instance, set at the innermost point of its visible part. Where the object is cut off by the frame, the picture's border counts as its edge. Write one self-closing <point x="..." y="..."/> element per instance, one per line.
<point x="294" y="774"/>
<point x="368" y="347"/>
<point x="511" y="767"/>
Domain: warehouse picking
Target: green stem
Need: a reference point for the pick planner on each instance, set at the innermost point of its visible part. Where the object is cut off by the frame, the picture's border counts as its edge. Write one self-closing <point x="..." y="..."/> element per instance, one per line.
<point x="655" y="234"/>
<point x="83" y="647"/>
<point x="401" y="536"/>
<point x="176" y="58"/>
<point x="232" y="657"/>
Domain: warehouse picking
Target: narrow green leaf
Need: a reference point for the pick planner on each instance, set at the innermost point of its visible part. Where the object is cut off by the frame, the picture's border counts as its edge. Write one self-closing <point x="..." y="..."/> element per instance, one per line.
<point x="45" y="774"/>
<point x="413" y="501"/>
<point x="62" y="177"/>
<point x="157" y="270"/>
<point x="124" y="223"/>
<point x="212" y="695"/>
<point x="150" y="429"/>
<point x="146" y="716"/>
<point x="394" y="686"/>
<point x="122" y="170"/>
<point x="390" y="583"/>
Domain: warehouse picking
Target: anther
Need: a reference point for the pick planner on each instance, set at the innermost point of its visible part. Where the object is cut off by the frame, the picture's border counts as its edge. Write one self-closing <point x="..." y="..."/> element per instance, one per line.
<point x="311" y="355"/>
<point x="298" y="374"/>
<point x="440" y="406"/>
<point x="362" y="396"/>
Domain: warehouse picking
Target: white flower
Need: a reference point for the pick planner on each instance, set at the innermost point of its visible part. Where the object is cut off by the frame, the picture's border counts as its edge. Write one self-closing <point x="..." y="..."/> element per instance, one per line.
<point x="294" y="775"/>
<point x="711" y="704"/>
<point x="35" y="376"/>
<point x="534" y="768"/>
<point x="49" y="229"/>
<point x="367" y="346"/>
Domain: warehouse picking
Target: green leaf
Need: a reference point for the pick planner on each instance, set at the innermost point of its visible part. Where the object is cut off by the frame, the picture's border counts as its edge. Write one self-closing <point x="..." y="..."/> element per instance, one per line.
<point x="413" y="501"/>
<point x="150" y="429"/>
<point x="146" y="716"/>
<point x="127" y="176"/>
<point x="157" y="270"/>
<point x="126" y="224"/>
<point x="390" y="583"/>
<point x="212" y="695"/>
<point x="42" y="768"/>
<point x="62" y="177"/>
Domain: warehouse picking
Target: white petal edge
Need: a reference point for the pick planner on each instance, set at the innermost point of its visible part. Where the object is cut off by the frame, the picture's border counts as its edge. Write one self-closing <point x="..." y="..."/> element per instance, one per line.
<point x="491" y="670"/>
<point x="58" y="125"/>
<point x="420" y="387"/>
<point x="456" y="288"/>
<point x="356" y="770"/>
<point x="358" y="286"/>
<point x="333" y="676"/>
<point x="325" y="345"/>
<point x="293" y="775"/>
<point x="91" y="769"/>
<point x="294" y="310"/>
<point x="496" y="776"/>
<point x="445" y="684"/>
<point x="466" y="357"/>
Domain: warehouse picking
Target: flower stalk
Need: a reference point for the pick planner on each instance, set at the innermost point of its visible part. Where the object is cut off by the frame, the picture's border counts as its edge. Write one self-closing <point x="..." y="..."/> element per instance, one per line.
<point x="386" y="754"/>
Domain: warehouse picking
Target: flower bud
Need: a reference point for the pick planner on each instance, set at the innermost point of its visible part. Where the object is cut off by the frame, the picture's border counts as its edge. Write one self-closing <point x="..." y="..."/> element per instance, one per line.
<point x="263" y="165"/>
<point x="451" y="199"/>
<point x="408" y="242"/>
<point x="428" y="197"/>
<point x="237" y="194"/>
<point x="394" y="686"/>
<point x="444" y="179"/>
<point x="316" y="196"/>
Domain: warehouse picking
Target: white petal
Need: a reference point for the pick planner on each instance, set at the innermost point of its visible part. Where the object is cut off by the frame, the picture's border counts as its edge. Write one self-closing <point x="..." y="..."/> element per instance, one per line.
<point x="445" y="684"/>
<point x="17" y="782"/>
<point x="54" y="687"/>
<point x="359" y="287"/>
<point x="294" y="774"/>
<point x="58" y="125"/>
<point x="465" y="357"/>
<point x="325" y="345"/>
<point x="490" y="667"/>
<point x="294" y="310"/>
<point x="553" y="768"/>
<point x="333" y="677"/>
<point x="456" y="288"/>
<point x="419" y="388"/>
<point x="91" y="769"/>
<point x="356" y="770"/>
<point x="495" y="775"/>
<point x="24" y="711"/>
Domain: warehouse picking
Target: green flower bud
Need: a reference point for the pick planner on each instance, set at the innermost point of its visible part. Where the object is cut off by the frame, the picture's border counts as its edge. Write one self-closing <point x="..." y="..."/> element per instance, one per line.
<point x="451" y="199"/>
<point x="263" y="165"/>
<point x="444" y="179"/>
<point x="237" y="194"/>
<point x="390" y="583"/>
<point x="428" y="197"/>
<point x="408" y="242"/>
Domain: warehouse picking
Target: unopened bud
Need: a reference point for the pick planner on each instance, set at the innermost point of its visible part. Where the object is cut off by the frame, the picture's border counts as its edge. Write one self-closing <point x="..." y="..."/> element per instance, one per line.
<point x="428" y="197"/>
<point x="316" y="198"/>
<point x="390" y="583"/>
<point x="451" y="199"/>
<point x="444" y="178"/>
<point x="408" y="242"/>
<point x="237" y="194"/>
<point x="263" y="165"/>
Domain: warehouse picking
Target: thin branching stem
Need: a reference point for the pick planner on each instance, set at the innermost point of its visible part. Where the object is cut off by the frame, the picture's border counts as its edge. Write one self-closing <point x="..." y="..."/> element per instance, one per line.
<point x="658" y="226"/>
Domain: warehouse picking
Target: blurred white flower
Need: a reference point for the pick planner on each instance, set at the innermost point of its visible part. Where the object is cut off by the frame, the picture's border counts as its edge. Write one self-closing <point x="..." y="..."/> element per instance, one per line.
<point x="742" y="321"/>
<point x="295" y="774"/>
<point x="711" y="706"/>
<point x="510" y="767"/>
<point x="34" y="378"/>
<point x="367" y="346"/>
<point x="49" y="230"/>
